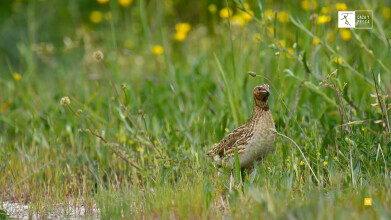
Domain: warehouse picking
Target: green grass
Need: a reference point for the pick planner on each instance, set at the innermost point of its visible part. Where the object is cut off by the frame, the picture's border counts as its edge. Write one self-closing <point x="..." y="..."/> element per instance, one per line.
<point x="184" y="101"/>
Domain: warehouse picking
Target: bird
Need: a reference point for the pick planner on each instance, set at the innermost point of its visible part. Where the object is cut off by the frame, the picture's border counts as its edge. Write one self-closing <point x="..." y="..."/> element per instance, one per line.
<point x="253" y="140"/>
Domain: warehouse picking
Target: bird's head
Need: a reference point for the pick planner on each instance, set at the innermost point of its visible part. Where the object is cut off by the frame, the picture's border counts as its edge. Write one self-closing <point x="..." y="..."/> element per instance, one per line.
<point x="261" y="94"/>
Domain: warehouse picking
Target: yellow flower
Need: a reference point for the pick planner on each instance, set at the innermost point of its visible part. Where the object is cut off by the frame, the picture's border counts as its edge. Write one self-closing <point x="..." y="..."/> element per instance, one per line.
<point x="283" y="17"/>
<point x="325" y="163"/>
<point x="324" y="19"/>
<point x="269" y="14"/>
<point x="246" y="6"/>
<point x="337" y="60"/>
<point x="181" y="31"/>
<point x="96" y="17"/>
<point x="325" y="10"/>
<point x="307" y="5"/>
<point x="315" y="41"/>
<point x="257" y="37"/>
<point x="345" y="34"/>
<point x="225" y="13"/>
<point x="102" y="1"/>
<point x="180" y="36"/>
<point x="237" y="20"/>
<point x="283" y="43"/>
<point x="123" y="139"/>
<point x="302" y="163"/>
<point x="183" y="27"/>
<point x="139" y="149"/>
<point x="318" y="154"/>
<point x="131" y="141"/>
<point x="248" y="16"/>
<point x="341" y="6"/>
<point x="157" y="50"/>
<point x="291" y="51"/>
<point x="17" y="76"/>
<point x="386" y="12"/>
<point x="226" y="130"/>
<point x="212" y="8"/>
<point x="125" y="3"/>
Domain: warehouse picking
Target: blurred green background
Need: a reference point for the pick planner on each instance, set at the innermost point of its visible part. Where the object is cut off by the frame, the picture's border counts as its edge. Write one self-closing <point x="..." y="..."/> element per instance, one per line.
<point x="185" y="67"/>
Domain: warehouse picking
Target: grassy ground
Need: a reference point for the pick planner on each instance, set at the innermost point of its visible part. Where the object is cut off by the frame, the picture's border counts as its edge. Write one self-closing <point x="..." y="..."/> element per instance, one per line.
<point x="183" y="97"/>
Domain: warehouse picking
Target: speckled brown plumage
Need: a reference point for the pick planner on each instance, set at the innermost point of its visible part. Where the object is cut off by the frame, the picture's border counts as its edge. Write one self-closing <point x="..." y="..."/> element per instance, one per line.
<point x="254" y="139"/>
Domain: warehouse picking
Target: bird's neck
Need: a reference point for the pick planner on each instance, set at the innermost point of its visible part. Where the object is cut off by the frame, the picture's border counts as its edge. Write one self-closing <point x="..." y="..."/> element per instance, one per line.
<point x="259" y="108"/>
<point x="260" y="105"/>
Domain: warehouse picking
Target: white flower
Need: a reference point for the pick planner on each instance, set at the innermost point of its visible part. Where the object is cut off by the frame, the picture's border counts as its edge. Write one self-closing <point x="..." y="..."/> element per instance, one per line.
<point x="65" y="101"/>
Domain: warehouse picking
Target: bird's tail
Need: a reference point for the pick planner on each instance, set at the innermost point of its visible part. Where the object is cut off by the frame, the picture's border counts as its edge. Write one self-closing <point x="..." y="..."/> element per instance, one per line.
<point x="211" y="152"/>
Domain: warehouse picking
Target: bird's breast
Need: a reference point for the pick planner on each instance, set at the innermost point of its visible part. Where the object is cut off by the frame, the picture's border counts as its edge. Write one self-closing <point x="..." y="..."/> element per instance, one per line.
<point x="261" y="142"/>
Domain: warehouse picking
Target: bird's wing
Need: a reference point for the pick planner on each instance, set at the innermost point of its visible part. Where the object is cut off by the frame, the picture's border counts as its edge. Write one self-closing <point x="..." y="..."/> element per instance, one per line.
<point x="237" y="137"/>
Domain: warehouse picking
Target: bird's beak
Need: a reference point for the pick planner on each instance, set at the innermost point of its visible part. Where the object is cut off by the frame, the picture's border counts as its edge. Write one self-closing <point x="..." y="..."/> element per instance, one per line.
<point x="265" y="91"/>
